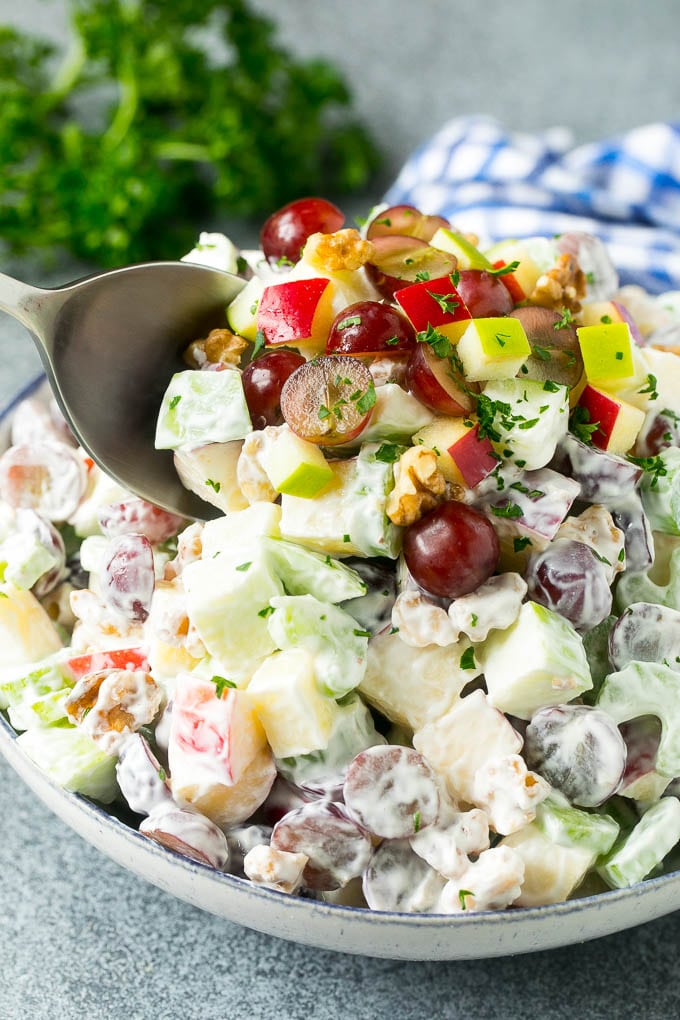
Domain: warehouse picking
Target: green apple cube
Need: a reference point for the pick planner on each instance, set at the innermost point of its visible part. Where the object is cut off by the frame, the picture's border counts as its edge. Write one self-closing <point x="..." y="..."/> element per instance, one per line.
<point x="538" y="661"/>
<point x="395" y="416"/>
<point x="493" y="348"/>
<point x="20" y="685"/>
<point x="242" y="312"/>
<point x="73" y="760"/>
<point x="660" y="491"/>
<point x="529" y="419"/>
<point x="607" y="351"/>
<point x="305" y="572"/>
<point x="468" y="256"/>
<point x="333" y="638"/>
<point x="227" y="602"/>
<point x="231" y="536"/>
<point x="348" y="518"/>
<point x="571" y="827"/>
<point x="293" y="465"/>
<point x="202" y="407"/>
<point x="24" y="559"/>
<point x="647" y="688"/>
<point x="43" y="710"/>
<point x="211" y="472"/>
<point x="297" y="717"/>
<point x="645" y="847"/>
<point x="551" y="871"/>
<point x="353" y="730"/>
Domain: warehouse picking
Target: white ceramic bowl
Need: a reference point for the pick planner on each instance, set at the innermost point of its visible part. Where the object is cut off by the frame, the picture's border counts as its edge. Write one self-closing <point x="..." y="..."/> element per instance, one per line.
<point x="326" y="926"/>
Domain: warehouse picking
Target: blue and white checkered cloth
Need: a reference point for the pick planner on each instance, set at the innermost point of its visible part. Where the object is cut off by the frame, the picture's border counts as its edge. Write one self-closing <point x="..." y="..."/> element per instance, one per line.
<point x="498" y="184"/>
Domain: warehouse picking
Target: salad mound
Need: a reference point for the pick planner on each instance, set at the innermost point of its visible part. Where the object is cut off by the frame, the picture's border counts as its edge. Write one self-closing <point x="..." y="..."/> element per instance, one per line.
<point x="426" y="658"/>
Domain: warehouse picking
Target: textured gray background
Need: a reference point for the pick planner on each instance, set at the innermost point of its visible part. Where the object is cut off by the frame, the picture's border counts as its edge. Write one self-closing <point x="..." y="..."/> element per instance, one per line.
<point x="81" y="938"/>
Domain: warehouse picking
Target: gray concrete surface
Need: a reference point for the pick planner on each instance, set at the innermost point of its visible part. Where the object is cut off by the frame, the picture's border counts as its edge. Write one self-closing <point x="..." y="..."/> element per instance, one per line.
<point x="81" y="939"/>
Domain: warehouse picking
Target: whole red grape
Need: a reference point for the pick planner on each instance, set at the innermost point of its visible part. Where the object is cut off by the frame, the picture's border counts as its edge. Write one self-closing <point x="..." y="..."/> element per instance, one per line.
<point x="451" y="550"/>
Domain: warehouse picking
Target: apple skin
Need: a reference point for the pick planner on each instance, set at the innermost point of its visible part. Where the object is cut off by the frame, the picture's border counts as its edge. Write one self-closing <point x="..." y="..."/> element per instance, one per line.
<point x="511" y="283"/>
<point x="423" y="310"/>
<point x="428" y="378"/>
<point x="473" y="457"/>
<point x="607" y="351"/>
<point x="619" y="422"/>
<point x="297" y="313"/>
<point x="595" y="312"/>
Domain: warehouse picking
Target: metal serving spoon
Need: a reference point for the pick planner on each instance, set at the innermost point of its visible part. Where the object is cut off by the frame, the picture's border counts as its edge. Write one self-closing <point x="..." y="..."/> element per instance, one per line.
<point x="109" y="344"/>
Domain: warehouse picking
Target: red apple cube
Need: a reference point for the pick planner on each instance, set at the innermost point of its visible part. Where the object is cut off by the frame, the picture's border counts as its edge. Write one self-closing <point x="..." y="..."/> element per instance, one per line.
<point x="511" y="282"/>
<point x="473" y="457"/>
<point x="618" y="422"/>
<point x="434" y="303"/>
<point x="297" y="313"/>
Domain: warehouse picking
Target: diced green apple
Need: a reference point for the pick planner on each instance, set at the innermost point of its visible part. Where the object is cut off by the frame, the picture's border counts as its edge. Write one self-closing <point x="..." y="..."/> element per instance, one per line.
<point x="607" y="351"/>
<point x="493" y="348"/>
<point x="296" y="716"/>
<point x="202" y="407"/>
<point x="538" y="661"/>
<point x="210" y="472"/>
<point x="297" y="313"/>
<point x="436" y="304"/>
<point x="236" y="533"/>
<point x="242" y="312"/>
<point x="618" y="422"/>
<point x="306" y="572"/>
<point x="469" y="257"/>
<point x="295" y="466"/>
<point x="537" y="420"/>
<point x="568" y="826"/>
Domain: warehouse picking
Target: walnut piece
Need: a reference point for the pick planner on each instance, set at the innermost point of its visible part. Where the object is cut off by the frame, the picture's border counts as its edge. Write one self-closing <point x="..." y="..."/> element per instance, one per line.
<point x="221" y="346"/>
<point x="345" y="249"/>
<point x="419" y="486"/>
<point x="563" y="286"/>
<point x="111" y="704"/>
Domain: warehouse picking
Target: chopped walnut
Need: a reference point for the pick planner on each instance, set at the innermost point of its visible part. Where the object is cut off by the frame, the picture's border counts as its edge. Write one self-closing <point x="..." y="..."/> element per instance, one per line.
<point x="419" y="486"/>
<point x="447" y="844"/>
<point x="420" y="622"/>
<point x="509" y="793"/>
<point x="345" y="249"/>
<point x="490" y="883"/>
<point x="595" y="528"/>
<point x="277" y="869"/>
<point x="113" y="703"/>
<point x="189" y="548"/>
<point x="221" y="346"/>
<point x="563" y="286"/>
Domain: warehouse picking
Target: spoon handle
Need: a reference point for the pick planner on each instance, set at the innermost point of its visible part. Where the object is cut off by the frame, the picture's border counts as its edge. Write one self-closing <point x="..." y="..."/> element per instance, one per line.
<point x="33" y="307"/>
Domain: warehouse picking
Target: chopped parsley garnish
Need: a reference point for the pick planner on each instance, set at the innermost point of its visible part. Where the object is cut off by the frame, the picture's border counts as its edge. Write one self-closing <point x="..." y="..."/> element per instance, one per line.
<point x="388" y="453"/>
<point x="384" y="222"/>
<point x="502" y="339"/>
<point x="221" y="685"/>
<point x="416" y="821"/>
<point x="391" y="341"/>
<point x="462" y="893"/>
<point x="244" y="566"/>
<point x="650" y="387"/>
<point x="606" y="319"/>
<point x="324" y="412"/>
<point x="346" y="538"/>
<point x="511" y="510"/>
<point x="590" y="278"/>
<point x="447" y="302"/>
<point x="162" y="775"/>
<point x="622" y="555"/>
<point x="550" y="387"/>
<point x="175" y="401"/>
<point x="581" y="425"/>
<point x="467" y="659"/>
<point x="520" y="543"/>
<point x="284" y="261"/>
<point x="440" y="344"/>
<point x="367" y="400"/>
<point x="267" y="611"/>
<point x="654" y="466"/>
<point x="566" y="319"/>
<point x="504" y="270"/>
<point x="619" y="355"/>
<point x="541" y="352"/>
<point x="259" y="343"/>
<point x="241" y="264"/>
<point x="602" y="559"/>
<point x="351" y="320"/>
<point x="394" y="630"/>
<point x="422" y="275"/>
<point x="528" y="423"/>
<point x="454" y="277"/>
<point x="361" y="633"/>
<point x="215" y="486"/>
<point x="253" y="307"/>
<point x="473" y="619"/>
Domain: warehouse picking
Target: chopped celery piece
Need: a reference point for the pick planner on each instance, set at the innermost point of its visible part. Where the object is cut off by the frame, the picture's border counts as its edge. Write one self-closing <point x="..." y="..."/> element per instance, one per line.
<point x="73" y="760"/>
<point x="303" y="572"/>
<point x="645" y="847"/>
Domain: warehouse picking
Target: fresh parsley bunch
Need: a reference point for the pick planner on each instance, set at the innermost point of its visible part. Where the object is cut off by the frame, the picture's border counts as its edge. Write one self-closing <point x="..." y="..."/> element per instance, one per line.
<point x="160" y="118"/>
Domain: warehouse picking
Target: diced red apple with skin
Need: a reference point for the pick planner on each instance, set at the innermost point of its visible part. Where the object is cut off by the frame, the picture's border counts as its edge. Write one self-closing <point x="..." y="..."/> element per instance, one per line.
<point x="297" y="313"/>
<point x="118" y="658"/>
<point x="434" y="303"/>
<point x="462" y="456"/>
<point x="438" y="383"/>
<point x="511" y="283"/>
<point x="618" y="422"/>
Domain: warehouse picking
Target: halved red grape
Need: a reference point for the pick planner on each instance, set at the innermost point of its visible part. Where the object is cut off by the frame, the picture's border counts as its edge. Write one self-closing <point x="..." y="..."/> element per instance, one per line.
<point x="406" y="221"/>
<point x="263" y="381"/>
<point x="568" y="578"/>
<point x="554" y="343"/>
<point x="137" y="517"/>
<point x="398" y="260"/>
<point x="328" y="400"/>
<point x="128" y="578"/>
<point x="483" y="293"/>
<point x="284" y="234"/>
<point x="370" y="327"/>
<point x="451" y="550"/>
<point x="390" y="791"/>
<point x="438" y="382"/>
<point x="337" y="848"/>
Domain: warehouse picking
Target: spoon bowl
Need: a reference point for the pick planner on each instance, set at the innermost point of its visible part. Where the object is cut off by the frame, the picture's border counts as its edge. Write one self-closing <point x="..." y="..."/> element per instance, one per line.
<point x="109" y="344"/>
